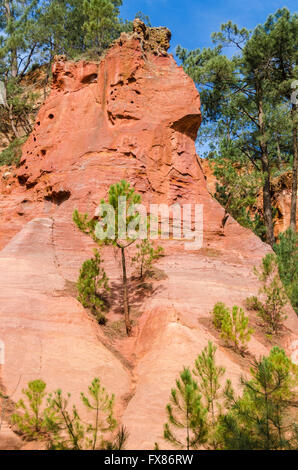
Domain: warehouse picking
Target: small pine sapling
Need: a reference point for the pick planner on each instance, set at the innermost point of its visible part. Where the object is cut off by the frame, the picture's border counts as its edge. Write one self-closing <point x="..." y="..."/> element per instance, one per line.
<point x="209" y="374"/>
<point x="186" y="414"/>
<point x="102" y="404"/>
<point x="145" y="256"/>
<point x="218" y="313"/>
<point x="235" y="329"/>
<point x="33" y="420"/>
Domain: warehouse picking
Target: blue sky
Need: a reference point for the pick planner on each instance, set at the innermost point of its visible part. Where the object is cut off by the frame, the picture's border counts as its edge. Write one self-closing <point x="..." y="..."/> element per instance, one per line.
<point x="193" y="21"/>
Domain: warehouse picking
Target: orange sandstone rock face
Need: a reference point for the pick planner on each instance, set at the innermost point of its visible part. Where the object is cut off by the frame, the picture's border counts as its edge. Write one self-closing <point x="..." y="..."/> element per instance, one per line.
<point x="134" y="116"/>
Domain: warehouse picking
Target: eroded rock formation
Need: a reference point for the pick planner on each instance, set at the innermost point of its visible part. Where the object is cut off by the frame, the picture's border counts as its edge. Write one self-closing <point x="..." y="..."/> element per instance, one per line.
<point x="134" y="116"/>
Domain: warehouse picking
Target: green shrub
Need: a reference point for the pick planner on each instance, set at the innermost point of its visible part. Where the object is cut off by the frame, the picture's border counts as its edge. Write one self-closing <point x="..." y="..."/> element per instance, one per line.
<point x="92" y="285"/>
<point x="53" y="420"/>
<point x="253" y="304"/>
<point x="287" y="258"/>
<point x="218" y="313"/>
<point x="33" y="419"/>
<point x="12" y="154"/>
<point x="235" y="329"/>
<point x="271" y="309"/>
<point x="263" y="417"/>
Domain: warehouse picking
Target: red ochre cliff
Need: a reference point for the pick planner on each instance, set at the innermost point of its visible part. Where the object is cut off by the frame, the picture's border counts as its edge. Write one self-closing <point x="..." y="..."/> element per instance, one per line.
<point x="133" y="116"/>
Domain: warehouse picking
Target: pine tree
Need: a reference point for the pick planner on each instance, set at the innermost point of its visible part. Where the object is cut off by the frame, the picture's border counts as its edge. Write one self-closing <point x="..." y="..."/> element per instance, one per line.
<point x="186" y="414"/>
<point x="33" y="418"/>
<point x="245" y="99"/>
<point x="261" y="417"/>
<point x="74" y="433"/>
<point x="101" y="25"/>
<point x="210" y="375"/>
<point x="116" y="226"/>
<point x="102" y="404"/>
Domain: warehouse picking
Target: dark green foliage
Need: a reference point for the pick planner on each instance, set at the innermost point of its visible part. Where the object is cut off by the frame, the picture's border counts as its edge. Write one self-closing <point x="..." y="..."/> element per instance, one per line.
<point x="270" y="310"/>
<point x="145" y="256"/>
<point x="101" y="23"/>
<point x="237" y="190"/>
<point x="186" y="414"/>
<point x="287" y="257"/>
<point x="92" y="285"/>
<point x="261" y="419"/>
<point x="249" y="120"/>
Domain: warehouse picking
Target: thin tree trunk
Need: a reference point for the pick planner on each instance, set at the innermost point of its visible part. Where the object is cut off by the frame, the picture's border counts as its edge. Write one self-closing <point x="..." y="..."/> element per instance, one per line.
<point x="267" y="207"/>
<point x="13" y="52"/>
<point x="295" y="164"/>
<point x="125" y="294"/>
<point x="12" y="123"/>
<point x="278" y="154"/>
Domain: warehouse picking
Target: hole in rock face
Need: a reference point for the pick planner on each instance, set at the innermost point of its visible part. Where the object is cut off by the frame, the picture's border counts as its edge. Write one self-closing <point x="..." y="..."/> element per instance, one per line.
<point x="92" y="78"/>
<point x="22" y="179"/>
<point x="43" y="152"/>
<point x="188" y="125"/>
<point x="34" y="138"/>
<point x="51" y="116"/>
<point x="58" y="197"/>
<point x="38" y="123"/>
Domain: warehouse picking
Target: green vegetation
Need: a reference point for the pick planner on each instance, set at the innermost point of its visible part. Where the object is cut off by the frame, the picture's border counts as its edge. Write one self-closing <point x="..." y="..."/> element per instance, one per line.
<point x="116" y="225"/>
<point x="233" y="325"/>
<point x="270" y="310"/>
<point x="145" y="256"/>
<point x="51" y="418"/>
<point x="93" y="284"/>
<point x="203" y="414"/>
<point x="248" y="114"/>
<point x="209" y="374"/>
<point x="287" y="257"/>
<point x="12" y="154"/>
<point x="262" y="418"/>
<point x="186" y="413"/>
<point x="32" y="421"/>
